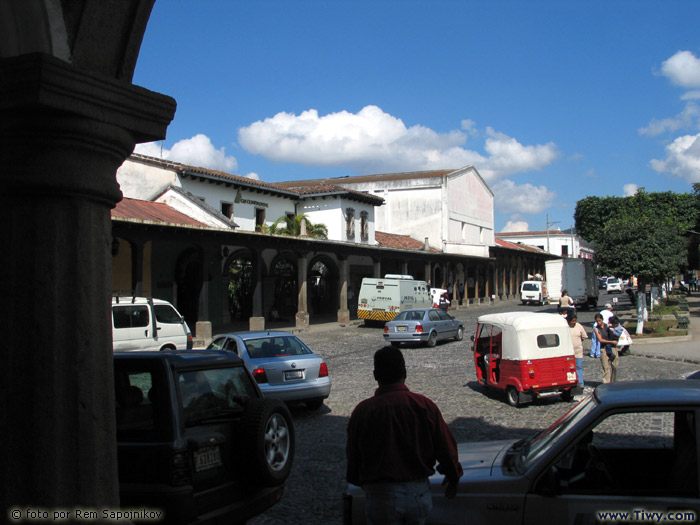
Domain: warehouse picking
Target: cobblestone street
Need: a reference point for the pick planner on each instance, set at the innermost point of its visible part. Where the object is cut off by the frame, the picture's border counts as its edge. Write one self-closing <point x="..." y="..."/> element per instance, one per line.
<point x="445" y="374"/>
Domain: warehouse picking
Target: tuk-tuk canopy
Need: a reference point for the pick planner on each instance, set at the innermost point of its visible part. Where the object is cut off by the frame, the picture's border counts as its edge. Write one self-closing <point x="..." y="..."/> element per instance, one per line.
<point x="530" y="335"/>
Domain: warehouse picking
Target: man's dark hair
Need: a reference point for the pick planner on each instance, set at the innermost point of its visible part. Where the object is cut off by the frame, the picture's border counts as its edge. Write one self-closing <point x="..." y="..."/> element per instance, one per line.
<point x="571" y="316"/>
<point x="389" y="365"/>
<point x="614" y="320"/>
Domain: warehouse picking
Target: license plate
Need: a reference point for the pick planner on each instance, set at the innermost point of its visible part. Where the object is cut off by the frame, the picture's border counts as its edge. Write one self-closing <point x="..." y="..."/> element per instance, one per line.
<point x="400" y="328"/>
<point x="571" y="376"/>
<point x="207" y="458"/>
<point x="293" y="374"/>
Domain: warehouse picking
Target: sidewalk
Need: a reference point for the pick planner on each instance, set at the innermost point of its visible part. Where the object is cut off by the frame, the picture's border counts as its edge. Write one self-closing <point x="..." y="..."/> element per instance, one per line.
<point x="680" y="348"/>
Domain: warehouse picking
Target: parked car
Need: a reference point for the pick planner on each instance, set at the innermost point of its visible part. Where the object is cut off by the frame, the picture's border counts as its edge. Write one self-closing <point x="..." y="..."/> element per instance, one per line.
<point x="628" y="452"/>
<point x="196" y="440"/>
<point x="144" y="323"/>
<point x="602" y="281"/>
<point x="613" y="284"/>
<point x="424" y="325"/>
<point x="283" y="366"/>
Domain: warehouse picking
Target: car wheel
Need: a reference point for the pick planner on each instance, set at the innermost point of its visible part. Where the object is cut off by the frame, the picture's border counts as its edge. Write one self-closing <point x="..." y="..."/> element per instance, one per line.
<point x="460" y="333"/>
<point x="314" y="404"/>
<point x="432" y="339"/>
<point x="512" y="396"/>
<point x="268" y="441"/>
<point x="395" y="344"/>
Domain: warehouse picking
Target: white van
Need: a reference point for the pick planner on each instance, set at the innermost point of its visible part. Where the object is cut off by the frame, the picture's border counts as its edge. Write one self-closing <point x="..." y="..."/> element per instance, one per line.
<point x="533" y="292"/>
<point x="381" y="300"/>
<point x="141" y="323"/>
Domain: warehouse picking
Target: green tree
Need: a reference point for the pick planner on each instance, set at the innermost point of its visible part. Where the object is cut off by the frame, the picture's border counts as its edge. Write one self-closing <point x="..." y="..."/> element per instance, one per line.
<point x="645" y="235"/>
<point x="292" y="226"/>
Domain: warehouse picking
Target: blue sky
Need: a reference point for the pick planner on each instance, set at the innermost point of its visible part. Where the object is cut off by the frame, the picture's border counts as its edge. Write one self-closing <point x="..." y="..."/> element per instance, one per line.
<point x="551" y="101"/>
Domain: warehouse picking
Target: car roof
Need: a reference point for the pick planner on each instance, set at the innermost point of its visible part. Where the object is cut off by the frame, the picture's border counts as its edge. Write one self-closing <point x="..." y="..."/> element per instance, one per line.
<point x="257" y="334"/>
<point x="184" y="359"/>
<point x="649" y="393"/>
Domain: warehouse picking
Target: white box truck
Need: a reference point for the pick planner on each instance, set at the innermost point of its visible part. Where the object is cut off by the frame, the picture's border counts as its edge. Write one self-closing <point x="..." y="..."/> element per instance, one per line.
<point x="577" y="277"/>
<point x="381" y="299"/>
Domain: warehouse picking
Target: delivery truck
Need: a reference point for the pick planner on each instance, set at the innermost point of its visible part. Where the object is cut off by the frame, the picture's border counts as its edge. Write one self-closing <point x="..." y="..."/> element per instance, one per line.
<point x="577" y="277"/>
<point x="381" y="299"/>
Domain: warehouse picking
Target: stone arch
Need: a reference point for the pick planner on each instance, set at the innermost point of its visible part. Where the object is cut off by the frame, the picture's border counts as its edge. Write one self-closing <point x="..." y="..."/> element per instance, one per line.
<point x="323" y="285"/>
<point x="189" y="280"/>
<point x="239" y="280"/>
<point x="284" y="273"/>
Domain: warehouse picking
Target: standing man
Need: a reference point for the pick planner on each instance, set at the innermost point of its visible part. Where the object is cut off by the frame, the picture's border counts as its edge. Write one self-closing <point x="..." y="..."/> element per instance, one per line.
<point x="607" y="313"/>
<point x="394" y="440"/>
<point x="608" y="351"/>
<point x="578" y="335"/>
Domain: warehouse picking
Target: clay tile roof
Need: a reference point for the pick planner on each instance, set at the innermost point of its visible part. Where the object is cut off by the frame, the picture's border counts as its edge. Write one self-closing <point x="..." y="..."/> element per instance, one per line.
<point x="186" y="169"/>
<point x="154" y="212"/>
<point x="320" y="188"/>
<point x="401" y="242"/>
<point x="518" y="246"/>
<point x="371" y="178"/>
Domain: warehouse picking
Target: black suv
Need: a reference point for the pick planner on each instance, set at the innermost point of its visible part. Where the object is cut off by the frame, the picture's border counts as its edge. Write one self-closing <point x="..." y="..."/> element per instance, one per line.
<point x="196" y="439"/>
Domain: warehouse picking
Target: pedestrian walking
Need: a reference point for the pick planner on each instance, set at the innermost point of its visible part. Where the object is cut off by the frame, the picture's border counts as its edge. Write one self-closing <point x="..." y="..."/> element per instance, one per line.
<point x="607" y="313"/>
<point x="578" y="336"/>
<point x="566" y="303"/>
<point x="395" y="438"/>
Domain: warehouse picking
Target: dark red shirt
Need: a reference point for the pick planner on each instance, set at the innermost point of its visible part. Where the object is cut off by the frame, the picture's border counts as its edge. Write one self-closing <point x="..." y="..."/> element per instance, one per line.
<point x="398" y="435"/>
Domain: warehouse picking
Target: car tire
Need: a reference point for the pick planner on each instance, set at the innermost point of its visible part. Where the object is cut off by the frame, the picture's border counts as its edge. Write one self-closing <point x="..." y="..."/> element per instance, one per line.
<point x="460" y="333"/>
<point x="268" y="441"/>
<point x="432" y="339"/>
<point x="314" y="404"/>
<point x="567" y="395"/>
<point x="512" y="396"/>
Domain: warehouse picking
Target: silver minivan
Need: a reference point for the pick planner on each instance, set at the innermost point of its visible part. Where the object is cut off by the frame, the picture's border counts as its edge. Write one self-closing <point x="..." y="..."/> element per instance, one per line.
<point x="143" y="323"/>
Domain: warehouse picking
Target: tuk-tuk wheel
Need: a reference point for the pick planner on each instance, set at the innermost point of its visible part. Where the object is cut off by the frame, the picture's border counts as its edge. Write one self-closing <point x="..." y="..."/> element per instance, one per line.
<point x="567" y="395"/>
<point x="512" y="396"/>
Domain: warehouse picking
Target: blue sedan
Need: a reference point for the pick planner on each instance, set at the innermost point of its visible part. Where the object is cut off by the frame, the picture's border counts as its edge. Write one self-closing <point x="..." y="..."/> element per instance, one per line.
<point x="426" y="325"/>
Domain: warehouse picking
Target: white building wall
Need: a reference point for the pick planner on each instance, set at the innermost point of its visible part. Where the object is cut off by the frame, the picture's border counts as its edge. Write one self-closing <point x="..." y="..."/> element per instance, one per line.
<point x="332" y="213"/>
<point x="145" y="182"/>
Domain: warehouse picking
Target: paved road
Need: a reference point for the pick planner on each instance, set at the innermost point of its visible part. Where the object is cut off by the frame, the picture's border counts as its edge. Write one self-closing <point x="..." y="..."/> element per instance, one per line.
<point x="446" y="375"/>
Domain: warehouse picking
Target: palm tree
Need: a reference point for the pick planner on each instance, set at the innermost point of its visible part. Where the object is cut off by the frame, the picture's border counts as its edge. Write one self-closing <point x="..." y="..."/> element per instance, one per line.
<point x="292" y="226"/>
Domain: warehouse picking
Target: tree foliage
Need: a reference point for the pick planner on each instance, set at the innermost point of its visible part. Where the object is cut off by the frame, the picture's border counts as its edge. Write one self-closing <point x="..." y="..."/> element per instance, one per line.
<point x="644" y="235"/>
<point x="292" y="226"/>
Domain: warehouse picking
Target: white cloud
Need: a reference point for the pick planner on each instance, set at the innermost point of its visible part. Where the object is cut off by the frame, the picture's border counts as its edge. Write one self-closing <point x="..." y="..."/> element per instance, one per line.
<point x="516" y="226"/>
<point x="682" y="159"/>
<point x="682" y="69"/>
<point x="523" y="198"/>
<point x="691" y="95"/>
<point x="373" y="141"/>
<point x="690" y="116"/>
<point x="196" y="151"/>
<point x="630" y="190"/>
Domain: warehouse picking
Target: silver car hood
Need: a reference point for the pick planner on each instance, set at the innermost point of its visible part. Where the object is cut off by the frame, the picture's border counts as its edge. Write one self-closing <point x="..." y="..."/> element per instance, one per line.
<point x="478" y="459"/>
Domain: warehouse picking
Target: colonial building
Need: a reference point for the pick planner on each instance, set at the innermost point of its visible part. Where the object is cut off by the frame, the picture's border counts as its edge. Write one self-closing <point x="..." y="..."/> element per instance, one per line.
<point x="563" y="243"/>
<point x="451" y="210"/>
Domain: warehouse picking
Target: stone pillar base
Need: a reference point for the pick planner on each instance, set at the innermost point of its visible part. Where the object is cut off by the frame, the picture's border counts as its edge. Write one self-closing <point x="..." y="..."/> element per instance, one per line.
<point x="344" y="316"/>
<point x="302" y="320"/>
<point x="256" y="323"/>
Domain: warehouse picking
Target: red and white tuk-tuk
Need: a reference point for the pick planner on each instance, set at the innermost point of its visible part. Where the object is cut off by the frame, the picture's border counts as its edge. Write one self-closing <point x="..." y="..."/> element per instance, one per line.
<point x="526" y="354"/>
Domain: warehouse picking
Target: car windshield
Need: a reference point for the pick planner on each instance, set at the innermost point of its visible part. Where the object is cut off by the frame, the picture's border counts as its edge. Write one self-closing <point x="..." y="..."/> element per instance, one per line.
<point x="530" y="287"/>
<point x="526" y="452"/>
<point x="209" y="394"/>
<point x="276" y="346"/>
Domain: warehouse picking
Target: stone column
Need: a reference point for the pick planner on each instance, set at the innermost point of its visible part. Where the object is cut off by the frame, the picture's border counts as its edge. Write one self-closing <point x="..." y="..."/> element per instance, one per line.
<point x="343" y="311"/>
<point x="63" y="134"/>
<point x="302" y="315"/>
<point x="376" y="269"/>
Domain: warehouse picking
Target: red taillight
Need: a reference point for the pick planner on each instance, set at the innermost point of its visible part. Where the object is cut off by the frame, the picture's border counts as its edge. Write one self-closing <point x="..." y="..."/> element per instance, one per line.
<point x="323" y="371"/>
<point x="190" y="342"/>
<point x="259" y="375"/>
<point x="386" y="329"/>
<point x="532" y="373"/>
<point x="419" y="329"/>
